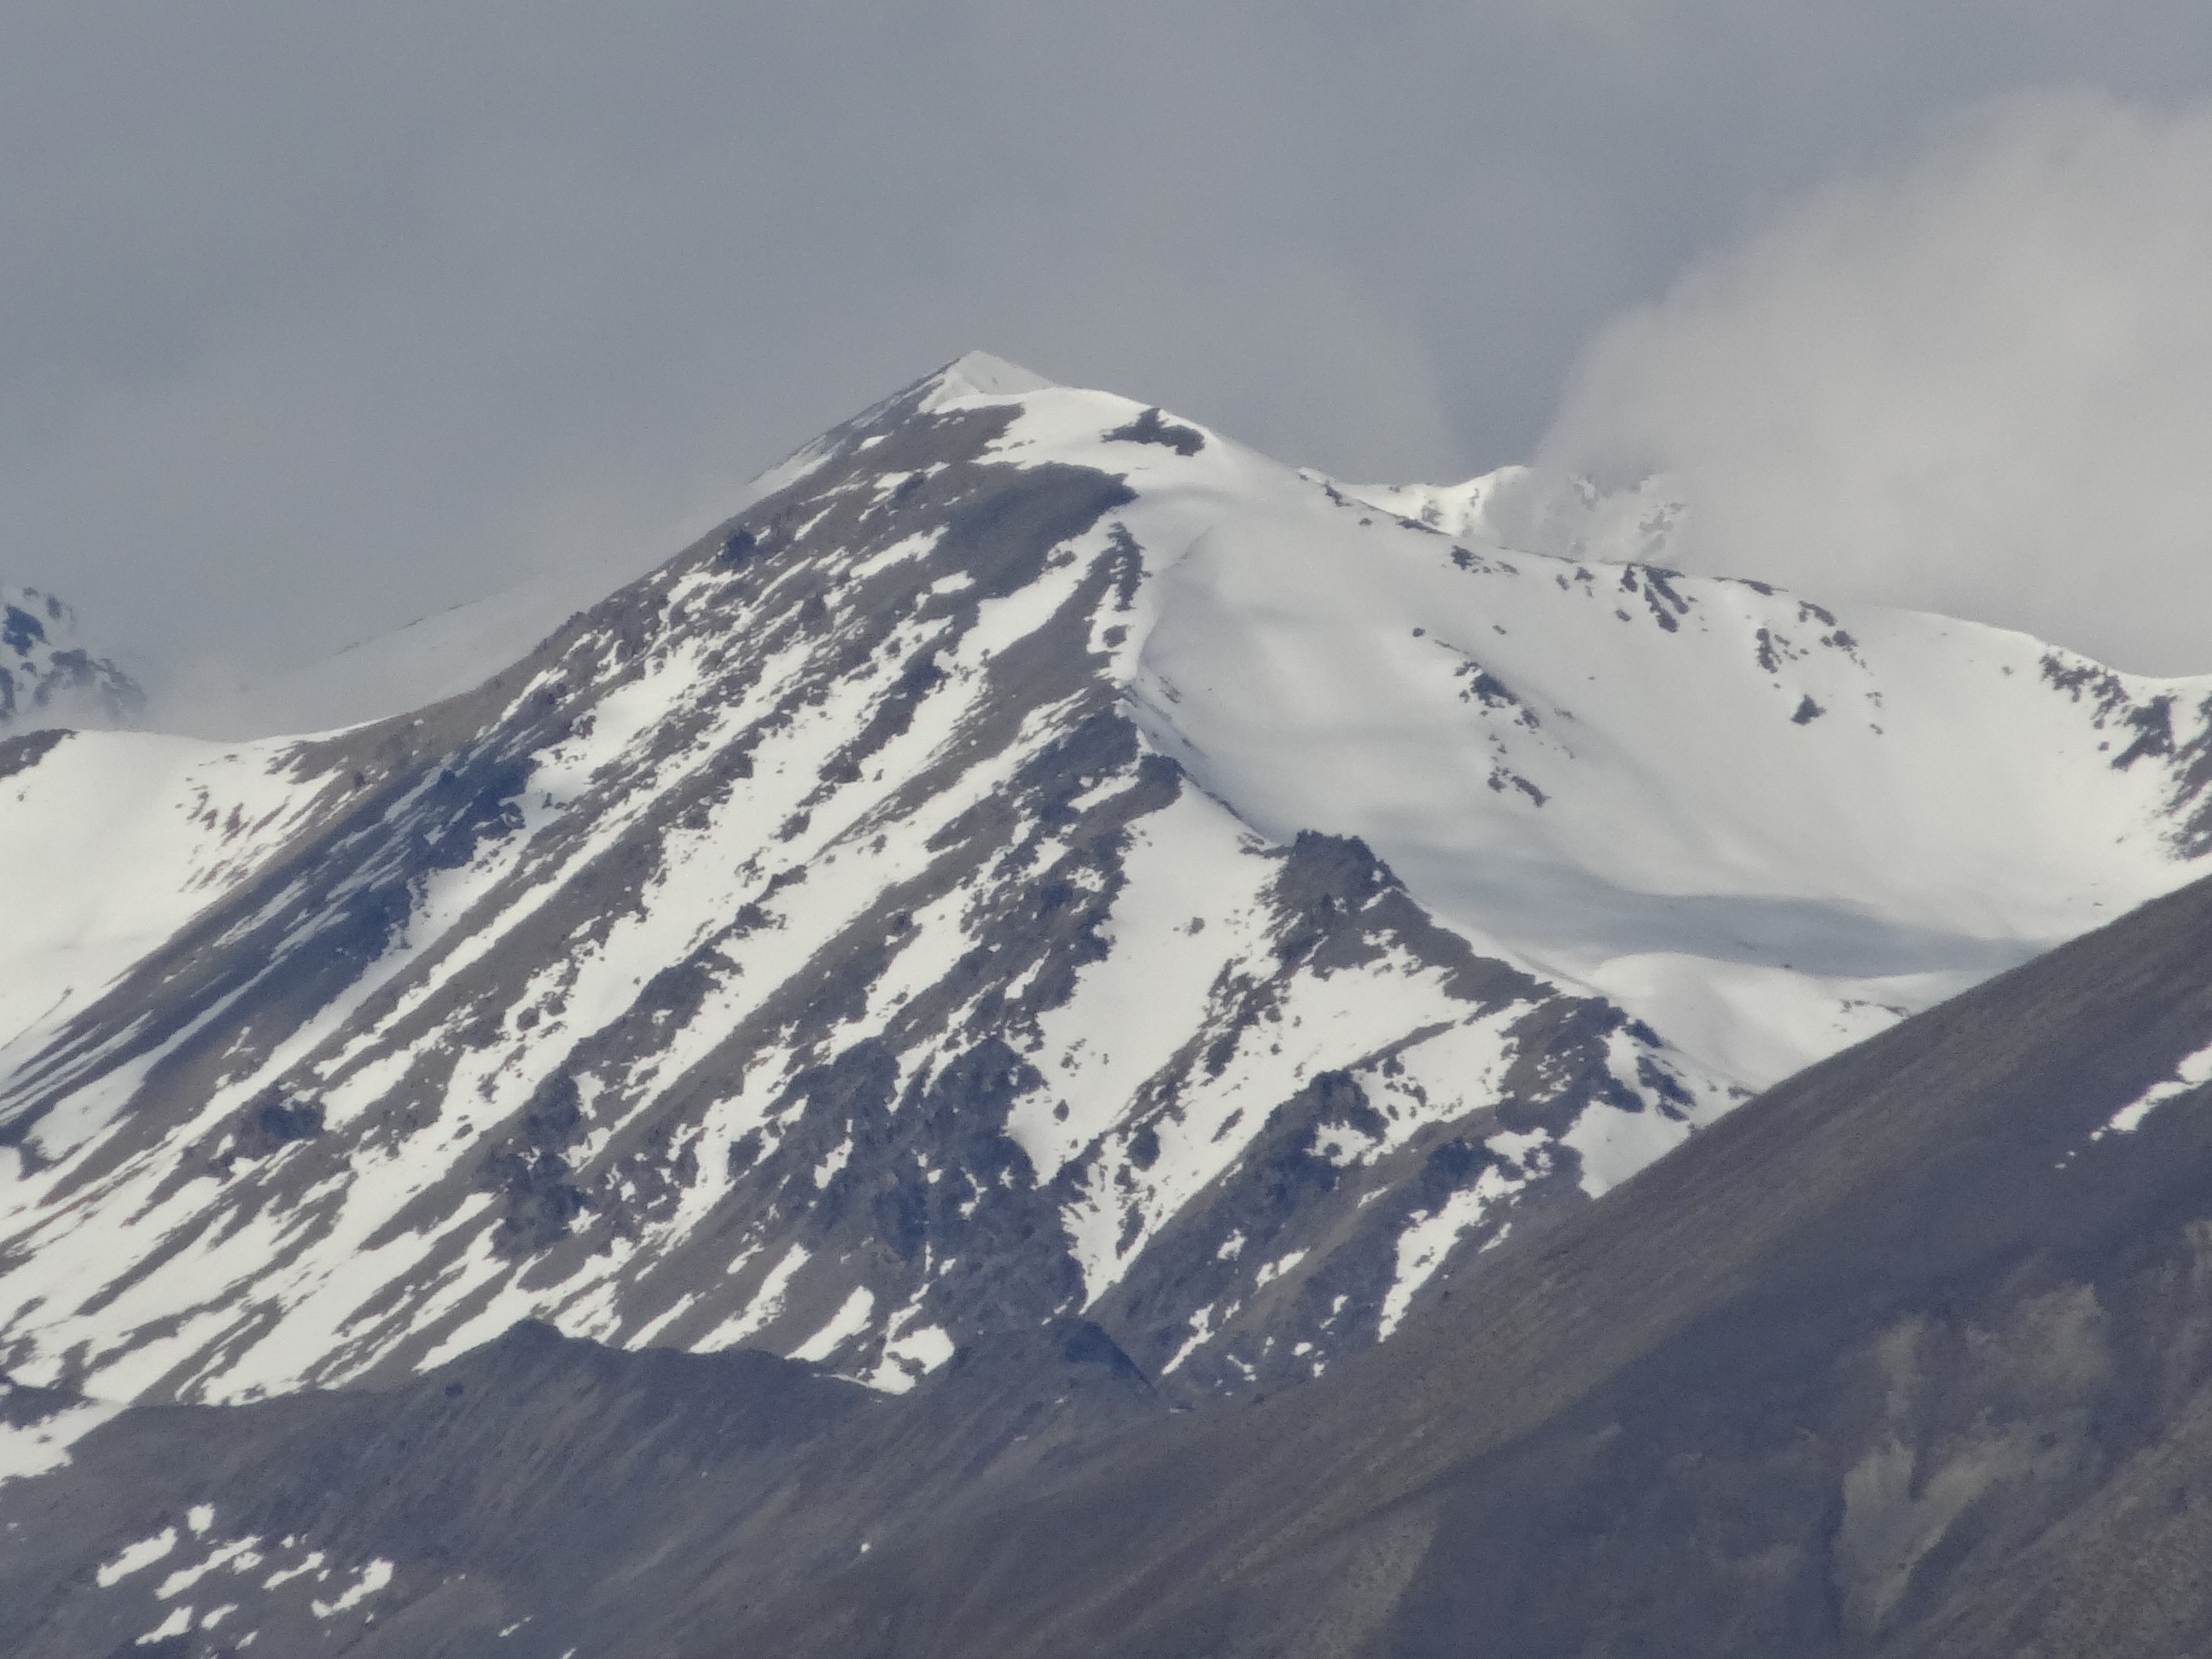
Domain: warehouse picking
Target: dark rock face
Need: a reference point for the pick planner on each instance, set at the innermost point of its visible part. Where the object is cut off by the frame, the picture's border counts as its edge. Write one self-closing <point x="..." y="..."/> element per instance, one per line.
<point x="274" y="1122"/>
<point x="1150" y="427"/>
<point x="27" y="749"/>
<point x="23" y="1407"/>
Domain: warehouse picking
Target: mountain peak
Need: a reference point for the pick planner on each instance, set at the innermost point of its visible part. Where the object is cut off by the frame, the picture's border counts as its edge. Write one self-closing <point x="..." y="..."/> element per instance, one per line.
<point x="979" y="372"/>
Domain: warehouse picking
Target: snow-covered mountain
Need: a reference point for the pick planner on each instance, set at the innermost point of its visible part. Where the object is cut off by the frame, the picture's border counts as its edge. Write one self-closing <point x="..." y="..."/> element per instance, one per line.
<point x="49" y="677"/>
<point x="1039" y="858"/>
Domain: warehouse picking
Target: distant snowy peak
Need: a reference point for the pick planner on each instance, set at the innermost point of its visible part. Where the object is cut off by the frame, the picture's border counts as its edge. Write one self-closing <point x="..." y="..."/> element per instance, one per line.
<point x="48" y="678"/>
<point x="1526" y="509"/>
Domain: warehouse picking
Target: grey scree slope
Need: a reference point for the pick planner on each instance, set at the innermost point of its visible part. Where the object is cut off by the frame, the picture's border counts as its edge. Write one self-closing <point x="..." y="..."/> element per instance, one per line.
<point x="546" y="1121"/>
<point x="1902" y="1358"/>
<point x="538" y="1496"/>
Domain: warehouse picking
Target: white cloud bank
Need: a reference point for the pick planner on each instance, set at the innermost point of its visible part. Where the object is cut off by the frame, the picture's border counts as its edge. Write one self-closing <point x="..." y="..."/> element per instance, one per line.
<point x="1976" y="379"/>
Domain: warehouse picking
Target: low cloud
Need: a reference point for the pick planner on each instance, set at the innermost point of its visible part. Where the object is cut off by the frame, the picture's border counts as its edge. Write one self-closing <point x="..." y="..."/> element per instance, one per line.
<point x="1976" y="378"/>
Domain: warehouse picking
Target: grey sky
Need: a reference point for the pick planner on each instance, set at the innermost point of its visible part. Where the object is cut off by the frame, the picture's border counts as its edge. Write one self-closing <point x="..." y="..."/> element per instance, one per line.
<point x="316" y="317"/>
<point x="1973" y="377"/>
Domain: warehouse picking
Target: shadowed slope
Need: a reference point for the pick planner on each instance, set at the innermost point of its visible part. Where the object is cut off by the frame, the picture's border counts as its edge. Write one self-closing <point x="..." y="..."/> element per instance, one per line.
<point x="544" y="1494"/>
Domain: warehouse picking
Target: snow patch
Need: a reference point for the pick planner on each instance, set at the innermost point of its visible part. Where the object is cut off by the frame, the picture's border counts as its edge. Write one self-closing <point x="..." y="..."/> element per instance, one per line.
<point x="847" y="1322"/>
<point x="179" y="1621"/>
<point x="134" y="1558"/>
<point x="29" y="1450"/>
<point x="374" y="1577"/>
<point x="2191" y="1073"/>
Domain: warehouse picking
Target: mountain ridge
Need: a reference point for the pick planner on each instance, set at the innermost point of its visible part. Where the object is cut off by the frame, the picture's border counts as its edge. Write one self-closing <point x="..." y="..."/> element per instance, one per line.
<point x="1039" y="859"/>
